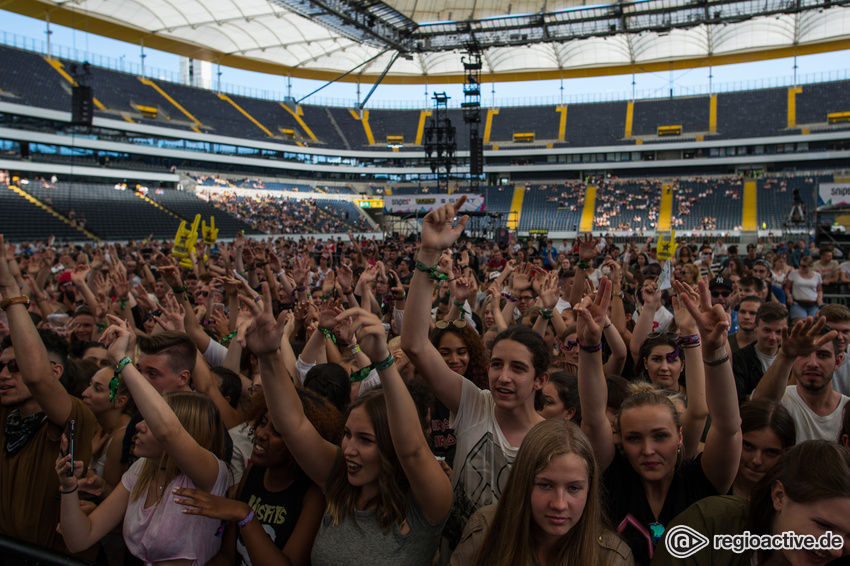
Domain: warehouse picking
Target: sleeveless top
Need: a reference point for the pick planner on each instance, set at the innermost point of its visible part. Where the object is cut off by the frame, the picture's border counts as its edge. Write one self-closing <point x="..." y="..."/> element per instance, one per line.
<point x="277" y="511"/>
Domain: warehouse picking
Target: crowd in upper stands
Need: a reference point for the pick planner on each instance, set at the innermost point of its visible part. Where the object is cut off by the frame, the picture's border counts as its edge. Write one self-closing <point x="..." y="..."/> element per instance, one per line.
<point x="429" y="397"/>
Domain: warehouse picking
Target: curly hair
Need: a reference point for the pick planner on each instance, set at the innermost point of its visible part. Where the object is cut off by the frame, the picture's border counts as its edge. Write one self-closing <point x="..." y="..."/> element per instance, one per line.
<point x="476" y="371"/>
<point x="324" y="417"/>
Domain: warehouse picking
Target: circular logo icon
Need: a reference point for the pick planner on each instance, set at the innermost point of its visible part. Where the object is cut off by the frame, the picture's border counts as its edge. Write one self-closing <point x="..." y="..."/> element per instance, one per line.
<point x="682" y="541"/>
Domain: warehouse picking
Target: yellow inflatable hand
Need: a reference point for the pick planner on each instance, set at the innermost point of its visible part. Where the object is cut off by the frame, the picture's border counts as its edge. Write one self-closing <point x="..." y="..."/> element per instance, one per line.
<point x="210" y="233"/>
<point x="667" y="248"/>
<point x="185" y="241"/>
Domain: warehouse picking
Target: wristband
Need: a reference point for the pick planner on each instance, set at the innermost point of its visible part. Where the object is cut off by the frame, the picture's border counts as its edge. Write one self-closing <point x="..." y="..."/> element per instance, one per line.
<point x="547" y="313"/>
<point x="360" y="374"/>
<point x="101" y="326"/>
<point x="607" y="325"/>
<point x="715" y="363"/>
<point x="400" y="296"/>
<point x="509" y="297"/>
<point x="432" y="272"/>
<point x="123" y="304"/>
<point x="459" y="306"/>
<point x="355" y="349"/>
<point x="245" y="520"/>
<point x="230" y="336"/>
<point x="179" y="290"/>
<point x="688" y="340"/>
<point x="583" y="264"/>
<point x="328" y="333"/>
<point x="617" y="294"/>
<point x="346" y="292"/>
<point x="591" y="349"/>
<point x="22" y="300"/>
<point x="115" y="381"/>
<point x="70" y="490"/>
<point x="386" y="364"/>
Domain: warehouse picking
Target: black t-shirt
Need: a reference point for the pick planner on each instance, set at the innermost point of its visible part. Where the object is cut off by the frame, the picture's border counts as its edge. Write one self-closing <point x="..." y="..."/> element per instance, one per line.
<point x="628" y="507"/>
<point x="277" y="511"/>
<point x="443" y="436"/>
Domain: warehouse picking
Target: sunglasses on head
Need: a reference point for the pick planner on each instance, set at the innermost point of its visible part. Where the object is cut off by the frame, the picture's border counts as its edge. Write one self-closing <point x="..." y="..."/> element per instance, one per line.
<point x="724" y="294"/>
<point x="568" y="346"/>
<point x="11" y="364"/>
<point x="460" y="323"/>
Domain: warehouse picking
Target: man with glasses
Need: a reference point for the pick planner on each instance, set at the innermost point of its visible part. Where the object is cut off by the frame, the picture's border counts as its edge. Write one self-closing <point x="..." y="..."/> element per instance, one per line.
<point x="721" y="290"/>
<point x="35" y="410"/>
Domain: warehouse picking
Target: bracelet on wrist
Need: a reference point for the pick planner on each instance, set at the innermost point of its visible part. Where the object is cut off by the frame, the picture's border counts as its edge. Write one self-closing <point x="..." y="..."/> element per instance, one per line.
<point x="590" y="349"/>
<point x="328" y="333"/>
<point x="179" y="290"/>
<point x="547" y="313"/>
<point x="246" y="519"/>
<point x="432" y="272"/>
<point x="63" y="492"/>
<point x="583" y="264"/>
<point x="386" y="364"/>
<point x="400" y="296"/>
<point x="229" y="337"/>
<point x="347" y="292"/>
<point x="715" y="363"/>
<point x="355" y="349"/>
<point x="510" y="297"/>
<point x="360" y="374"/>
<point x="607" y="326"/>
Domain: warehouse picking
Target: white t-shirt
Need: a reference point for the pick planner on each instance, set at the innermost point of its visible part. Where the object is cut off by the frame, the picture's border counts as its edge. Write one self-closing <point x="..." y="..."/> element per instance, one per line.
<point x="483" y="457"/>
<point x="809" y="425"/>
<point x="660" y="322"/>
<point x="766" y="361"/>
<point x="562" y="305"/>
<point x="804" y="289"/>
<point x="841" y="377"/>
<point x="242" y="436"/>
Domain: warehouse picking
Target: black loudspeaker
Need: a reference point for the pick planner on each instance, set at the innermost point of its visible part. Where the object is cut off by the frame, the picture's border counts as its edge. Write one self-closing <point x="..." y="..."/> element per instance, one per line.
<point x="476" y="156"/>
<point x="82" y="105"/>
<point x="503" y="236"/>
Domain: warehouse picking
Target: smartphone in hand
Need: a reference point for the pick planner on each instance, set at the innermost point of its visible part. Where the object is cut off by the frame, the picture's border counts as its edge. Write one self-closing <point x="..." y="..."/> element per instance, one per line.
<point x="72" y="426"/>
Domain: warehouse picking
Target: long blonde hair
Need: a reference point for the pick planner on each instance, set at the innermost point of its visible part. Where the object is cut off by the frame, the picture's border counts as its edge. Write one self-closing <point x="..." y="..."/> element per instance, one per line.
<point x="510" y="541"/>
<point x="201" y="419"/>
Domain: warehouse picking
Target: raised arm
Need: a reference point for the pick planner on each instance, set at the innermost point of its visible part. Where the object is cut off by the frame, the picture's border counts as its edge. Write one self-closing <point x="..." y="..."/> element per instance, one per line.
<point x="437" y="235"/>
<point x="587" y="252"/>
<point x="194" y="460"/>
<point x="722" y="453"/>
<point x="651" y="303"/>
<point x="696" y="414"/>
<point x="314" y="454"/>
<point x="429" y="485"/>
<point x="592" y="389"/>
<point x="30" y="353"/>
<point x="803" y="339"/>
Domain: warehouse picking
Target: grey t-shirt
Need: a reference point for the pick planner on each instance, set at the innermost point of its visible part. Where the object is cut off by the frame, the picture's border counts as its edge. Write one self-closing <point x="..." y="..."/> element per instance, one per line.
<point x="362" y="541"/>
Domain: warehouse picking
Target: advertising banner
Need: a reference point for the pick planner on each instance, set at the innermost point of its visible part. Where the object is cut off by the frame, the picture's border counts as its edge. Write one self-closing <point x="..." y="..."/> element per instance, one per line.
<point x="427" y="203"/>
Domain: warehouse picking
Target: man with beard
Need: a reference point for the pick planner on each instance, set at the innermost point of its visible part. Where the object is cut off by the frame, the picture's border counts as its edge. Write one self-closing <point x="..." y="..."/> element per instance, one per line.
<point x="812" y="354"/>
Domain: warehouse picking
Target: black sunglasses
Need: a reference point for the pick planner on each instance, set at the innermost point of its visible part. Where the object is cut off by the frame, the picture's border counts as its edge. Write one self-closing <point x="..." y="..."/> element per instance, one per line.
<point x="724" y="294"/>
<point x="11" y="364"/>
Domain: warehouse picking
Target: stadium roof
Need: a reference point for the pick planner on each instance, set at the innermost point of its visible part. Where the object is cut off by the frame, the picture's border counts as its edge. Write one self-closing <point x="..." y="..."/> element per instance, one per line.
<point x="422" y="41"/>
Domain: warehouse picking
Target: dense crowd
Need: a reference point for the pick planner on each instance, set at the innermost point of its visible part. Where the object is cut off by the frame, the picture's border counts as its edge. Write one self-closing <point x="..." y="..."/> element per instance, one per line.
<point x="425" y="399"/>
<point x="284" y="215"/>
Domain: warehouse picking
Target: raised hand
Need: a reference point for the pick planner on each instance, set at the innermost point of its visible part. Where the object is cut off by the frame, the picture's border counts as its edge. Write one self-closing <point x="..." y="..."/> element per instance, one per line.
<point x="263" y="334"/>
<point x="462" y="288"/>
<point x="300" y="271"/>
<point x="805" y="338"/>
<point x="344" y="276"/>
<point x="522" y="278"/>
<point x="684" y="321"/>
<point x="590" y="315"/>
<point x="328" y="311"/>
<point x="437" y="231"/>
<point x="370" y="333"/>
<point x="587" y="250"/>
<point x="79" y="275"/>
<point x="119" y="338"/>
<point x="711" y="321"/>
<point x="550" y="292"/>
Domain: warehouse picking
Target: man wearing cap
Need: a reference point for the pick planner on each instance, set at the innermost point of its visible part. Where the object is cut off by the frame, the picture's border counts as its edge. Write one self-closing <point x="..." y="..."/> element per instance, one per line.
<point x="721" y="290"/>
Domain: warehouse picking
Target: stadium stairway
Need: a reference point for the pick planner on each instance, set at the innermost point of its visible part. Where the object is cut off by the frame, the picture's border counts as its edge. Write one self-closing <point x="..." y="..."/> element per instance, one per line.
<point x="749" y="223"/>
<point x="589" y="209"/>
<point x="516" y="208"/>
<point x="159" y="206"/>
<point x="665" y="213"/>
<point x="176" y="104"/>
<point x="80" y="232"/>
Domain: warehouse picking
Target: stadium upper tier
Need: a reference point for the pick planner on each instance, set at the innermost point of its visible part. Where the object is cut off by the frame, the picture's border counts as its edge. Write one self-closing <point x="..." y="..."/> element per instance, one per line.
<point x="29" y="79"/>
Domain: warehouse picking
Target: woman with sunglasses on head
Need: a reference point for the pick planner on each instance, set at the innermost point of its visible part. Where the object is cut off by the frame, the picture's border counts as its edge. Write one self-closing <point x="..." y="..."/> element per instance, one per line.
<point x="651" y="480"/>
<point x="489" y="425"/>
<point x="387" y="496"/>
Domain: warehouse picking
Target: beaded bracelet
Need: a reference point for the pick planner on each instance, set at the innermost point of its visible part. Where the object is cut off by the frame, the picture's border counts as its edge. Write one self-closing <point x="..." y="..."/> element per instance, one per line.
<point x="246" y="519"/>
<point x="590" y="349"/>
<point x="715" y="363"/>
